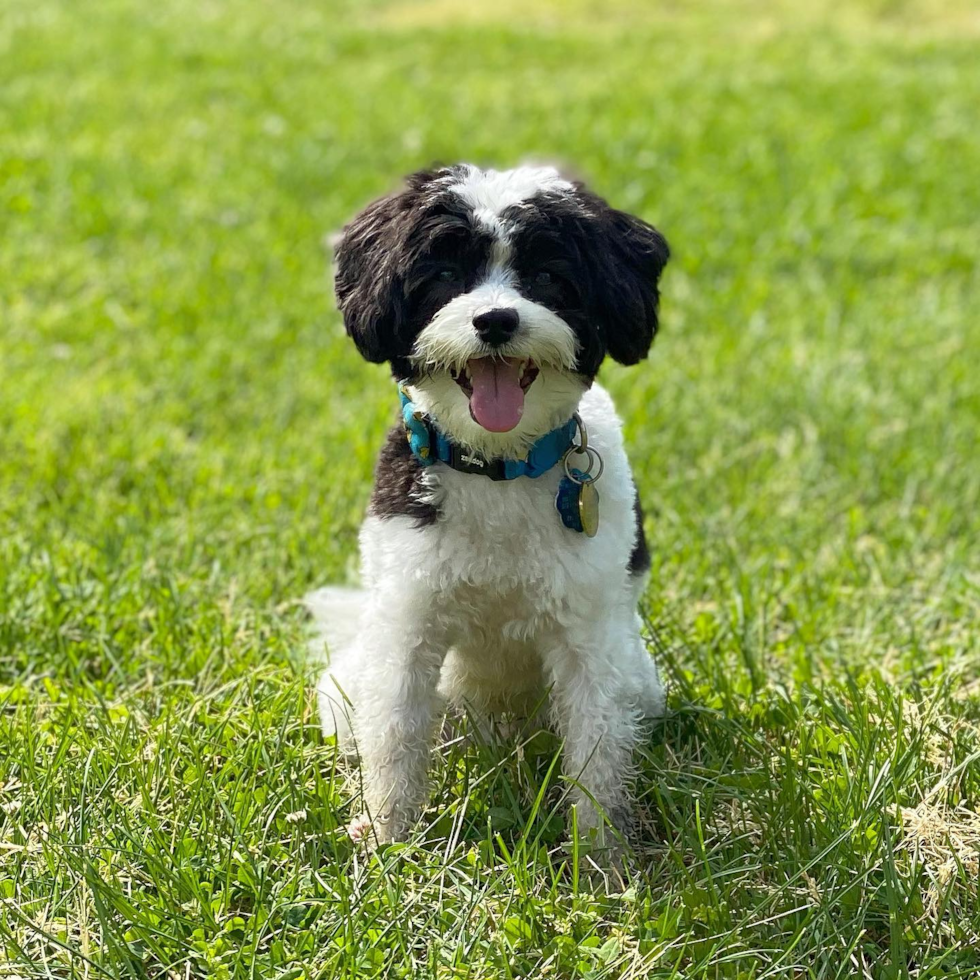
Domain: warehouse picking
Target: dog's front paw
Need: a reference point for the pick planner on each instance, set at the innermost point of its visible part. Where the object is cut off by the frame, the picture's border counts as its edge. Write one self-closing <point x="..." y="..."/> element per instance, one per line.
<point x="599" y="829"/>
<point x="608" y="870"/>
<point x="602" y="842"/>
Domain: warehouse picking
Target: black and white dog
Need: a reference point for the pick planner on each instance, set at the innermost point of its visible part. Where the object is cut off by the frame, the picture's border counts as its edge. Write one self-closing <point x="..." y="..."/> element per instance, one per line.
<point x="503" y="552"/>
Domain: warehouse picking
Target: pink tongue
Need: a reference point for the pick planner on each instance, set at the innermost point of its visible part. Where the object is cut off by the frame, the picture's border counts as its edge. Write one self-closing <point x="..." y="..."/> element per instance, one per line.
<point x="497" y="402"/>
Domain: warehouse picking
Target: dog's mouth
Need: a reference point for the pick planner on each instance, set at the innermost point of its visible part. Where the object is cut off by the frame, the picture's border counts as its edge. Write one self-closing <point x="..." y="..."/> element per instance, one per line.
<point x="495" y="387"/>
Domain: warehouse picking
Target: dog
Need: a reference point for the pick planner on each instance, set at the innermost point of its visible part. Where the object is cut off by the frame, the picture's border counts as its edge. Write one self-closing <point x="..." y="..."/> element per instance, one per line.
<point x="503" y="553"/>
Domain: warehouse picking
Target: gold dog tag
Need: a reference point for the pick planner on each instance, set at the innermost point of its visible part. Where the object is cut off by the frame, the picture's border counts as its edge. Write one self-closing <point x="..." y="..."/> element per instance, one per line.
<point x="588" y="509"/>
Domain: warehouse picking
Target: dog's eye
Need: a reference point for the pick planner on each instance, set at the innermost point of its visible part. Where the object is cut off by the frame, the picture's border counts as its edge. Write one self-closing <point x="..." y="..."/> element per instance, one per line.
<point x="543" y="279"/>
<point x="447" y="275"/>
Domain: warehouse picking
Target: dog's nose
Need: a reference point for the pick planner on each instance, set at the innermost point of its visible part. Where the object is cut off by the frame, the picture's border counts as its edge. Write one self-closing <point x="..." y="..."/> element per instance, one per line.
<point x="496" y="327"/>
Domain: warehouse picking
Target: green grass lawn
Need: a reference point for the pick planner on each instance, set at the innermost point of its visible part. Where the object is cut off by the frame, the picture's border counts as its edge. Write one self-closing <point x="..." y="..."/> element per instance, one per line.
<point x="186" y="445"/>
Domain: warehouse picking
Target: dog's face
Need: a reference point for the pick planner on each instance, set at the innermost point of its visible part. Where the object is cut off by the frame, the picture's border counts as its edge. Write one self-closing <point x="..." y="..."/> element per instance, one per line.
<point x="495" y="296"/>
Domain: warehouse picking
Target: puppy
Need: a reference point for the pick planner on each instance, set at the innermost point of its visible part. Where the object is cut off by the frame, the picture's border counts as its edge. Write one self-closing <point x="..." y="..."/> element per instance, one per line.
<point x="503" y="552"/>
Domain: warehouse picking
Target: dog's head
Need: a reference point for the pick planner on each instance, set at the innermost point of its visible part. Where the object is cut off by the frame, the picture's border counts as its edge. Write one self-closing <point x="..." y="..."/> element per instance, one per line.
<point x="495" y="296"/>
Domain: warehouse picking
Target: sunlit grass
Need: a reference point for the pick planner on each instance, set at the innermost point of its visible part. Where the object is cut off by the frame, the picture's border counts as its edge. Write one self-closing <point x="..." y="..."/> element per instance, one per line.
<point x="186" y="443"/>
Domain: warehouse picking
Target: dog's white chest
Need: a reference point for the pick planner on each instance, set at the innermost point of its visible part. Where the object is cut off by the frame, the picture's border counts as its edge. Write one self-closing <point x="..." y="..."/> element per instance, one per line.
<point x="502" y="536"/>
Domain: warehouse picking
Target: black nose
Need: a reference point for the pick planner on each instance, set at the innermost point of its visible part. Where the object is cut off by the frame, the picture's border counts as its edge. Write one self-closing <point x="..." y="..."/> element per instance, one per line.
<point x="496" y="327"/>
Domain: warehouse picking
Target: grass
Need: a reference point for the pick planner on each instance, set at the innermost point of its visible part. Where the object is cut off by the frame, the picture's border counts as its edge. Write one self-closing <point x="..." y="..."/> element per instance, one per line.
<point x="186" y="442"/>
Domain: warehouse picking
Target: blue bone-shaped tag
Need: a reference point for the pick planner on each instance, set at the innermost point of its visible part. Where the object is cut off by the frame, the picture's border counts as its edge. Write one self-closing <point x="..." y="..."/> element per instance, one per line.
<point x="567" y="501"/>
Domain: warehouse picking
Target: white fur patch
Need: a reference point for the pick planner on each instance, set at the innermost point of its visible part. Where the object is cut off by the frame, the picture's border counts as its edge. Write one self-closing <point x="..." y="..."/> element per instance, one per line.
<point x="490" y="192"/>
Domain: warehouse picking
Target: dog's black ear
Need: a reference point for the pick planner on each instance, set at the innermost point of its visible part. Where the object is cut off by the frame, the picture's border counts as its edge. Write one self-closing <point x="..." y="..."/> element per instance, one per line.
<point x="633" y="257"/>
<point x="370" y="293"/>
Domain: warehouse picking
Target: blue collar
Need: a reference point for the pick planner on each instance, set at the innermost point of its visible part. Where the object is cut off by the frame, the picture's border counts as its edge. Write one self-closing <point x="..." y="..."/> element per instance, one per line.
<point x="429" y="446"/>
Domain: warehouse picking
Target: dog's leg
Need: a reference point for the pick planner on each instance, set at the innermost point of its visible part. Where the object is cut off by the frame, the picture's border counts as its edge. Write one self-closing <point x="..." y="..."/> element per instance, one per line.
<point x="603" y="684"/>
<point x="394" y="721"/>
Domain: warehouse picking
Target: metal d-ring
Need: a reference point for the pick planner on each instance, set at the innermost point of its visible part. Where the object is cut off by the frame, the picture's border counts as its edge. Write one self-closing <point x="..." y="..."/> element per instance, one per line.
<point x="594" y="458"/>
<point x="582" y="447"/>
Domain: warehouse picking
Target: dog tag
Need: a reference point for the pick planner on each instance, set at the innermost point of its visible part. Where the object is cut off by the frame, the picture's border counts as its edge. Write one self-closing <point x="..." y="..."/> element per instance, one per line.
<point x="588" y="509"/>
<point x="577" y="503"/>
<point x="577" y="500"/>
